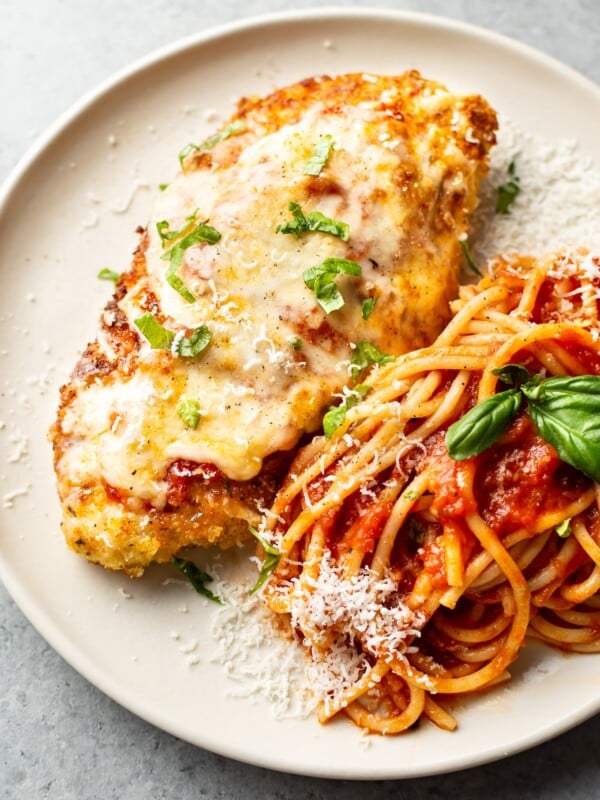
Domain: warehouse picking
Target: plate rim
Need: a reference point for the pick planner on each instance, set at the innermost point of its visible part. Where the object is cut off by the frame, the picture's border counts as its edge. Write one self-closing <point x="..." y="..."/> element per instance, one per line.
<point x="48" y="628"/>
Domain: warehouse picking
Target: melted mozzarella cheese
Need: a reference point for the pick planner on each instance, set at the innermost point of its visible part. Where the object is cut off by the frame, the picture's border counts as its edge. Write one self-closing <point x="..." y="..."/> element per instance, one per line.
<point x="256" y="394"/>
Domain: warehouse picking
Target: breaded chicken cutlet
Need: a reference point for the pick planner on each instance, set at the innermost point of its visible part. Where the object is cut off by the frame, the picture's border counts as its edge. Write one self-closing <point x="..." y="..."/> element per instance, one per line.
<point x="317" y="233"/>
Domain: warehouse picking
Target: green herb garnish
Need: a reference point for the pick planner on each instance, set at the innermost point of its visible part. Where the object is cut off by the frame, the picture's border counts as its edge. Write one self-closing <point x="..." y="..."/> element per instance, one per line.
<point x="196" y="577"/>
<point x="108" y="275"/>
<point x="201" y="233"/>
<point x="564" y="410"/>
<point x="336" y="415"/>
<point x="162" y="186"/>
<point x="190" y="346"/>
<point x="167" y="235"/>
<point x="189" y="411"/>
<point x="469" y="258"/>
<point x="272" y="559"/>
<point x="313" y="221"/>
<point x="238" y="126"/>
<point x="321" y="280"/>
<point x="367" y="307"/>
<point x="320" y="156"/>
<point x="365" y="354"/>
<point x="506" y="193"/>
<point x="295" y="343"/>
<point x="160" y="338"/>
<point x="564" y="528"/>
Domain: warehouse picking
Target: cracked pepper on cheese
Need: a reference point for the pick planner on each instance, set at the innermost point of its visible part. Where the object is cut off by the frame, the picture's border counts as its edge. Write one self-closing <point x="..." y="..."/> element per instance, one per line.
<point x="219" y="351"/>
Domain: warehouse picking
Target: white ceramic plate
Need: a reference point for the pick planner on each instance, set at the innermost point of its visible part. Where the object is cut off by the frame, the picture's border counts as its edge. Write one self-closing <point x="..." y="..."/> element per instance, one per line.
<point x="70" y="209"/>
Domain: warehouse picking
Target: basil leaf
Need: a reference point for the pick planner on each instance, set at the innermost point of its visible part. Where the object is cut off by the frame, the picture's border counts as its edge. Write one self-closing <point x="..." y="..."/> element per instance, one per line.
<point x="566" y="412"/>
<point x="237" y="126"/>
<point x="189" y="411"/>
<point x="295" y="343"/>
<point x="195" y="344"/>
<point x="158" y="337"/>
<point x="162" y="339"/>
<point x="333" y="419"/>
<point x="313" y="221"/>
<point x="196" y="577"/>
<point x="367" y="307"/>
<point x="365" y="354"/>
<point x="331" y="267"/>
<point x="564" y="529"/>
<point x="320" y="156"/>
<point x="512" y="374"/>
<point x="320" y="279"/>
<point x="272" y="559"/>
<point x="469" y="258"/>
<point x="175" y="282"/>
<point x="337" y="414"/>
<point x="108" y="275"/>
<point x="506" y="193"/>
<point x="328" y="295"/>
<point x="201" y="233"/>
<point x="483" y="425"/>
<point x="167" y="235"/>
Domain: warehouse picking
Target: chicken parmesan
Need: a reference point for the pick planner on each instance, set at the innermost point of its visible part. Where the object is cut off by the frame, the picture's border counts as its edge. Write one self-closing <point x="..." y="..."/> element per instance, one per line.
<point x="314" y="234"/>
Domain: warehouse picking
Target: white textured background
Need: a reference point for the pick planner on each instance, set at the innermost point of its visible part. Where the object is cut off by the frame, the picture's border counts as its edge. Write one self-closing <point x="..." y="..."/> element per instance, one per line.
<point x="60" y="738"/>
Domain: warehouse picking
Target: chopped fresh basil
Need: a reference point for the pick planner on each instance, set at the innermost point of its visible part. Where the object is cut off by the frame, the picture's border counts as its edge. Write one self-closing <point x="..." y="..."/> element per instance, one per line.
<point x="336" y="415"/>
<point x="196" y="577"/>
<point x="237" y="126"/>
<point x="313" y="221"/>
<point x="564" y="529"/>
<point x="191" y="346"/>
<point x="167" y="235"/>
<point x="564" y="410"/>
<point x="506" y="193"/>
<point x="365" y="354"/>
<point x="108" y="275"/>
<point x="320" y="156"/>
<point x="367" y="307"/>
<point x="469" y="258"/>
<point x="162" y="339"/>
<point x="189" y="411"/>
<point x="201" y="233"/>
<point x="162" y="186"/>
<point x="321" y="280"/>
<point x="158" y="337"/>
<point x="295" y="343"/>
<point x="272" y="559"/>
<point x="411" y="495"/>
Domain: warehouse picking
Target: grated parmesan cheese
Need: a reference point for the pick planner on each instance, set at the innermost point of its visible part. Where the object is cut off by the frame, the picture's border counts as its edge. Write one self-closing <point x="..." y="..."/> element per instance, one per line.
<point x="260" y="663"/>
<point x="557" y="208"/>
<point x="334" y="613"/>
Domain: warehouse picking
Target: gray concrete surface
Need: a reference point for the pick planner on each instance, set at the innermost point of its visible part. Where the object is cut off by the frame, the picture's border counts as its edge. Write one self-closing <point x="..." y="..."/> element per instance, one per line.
<point x="61" y="738"/>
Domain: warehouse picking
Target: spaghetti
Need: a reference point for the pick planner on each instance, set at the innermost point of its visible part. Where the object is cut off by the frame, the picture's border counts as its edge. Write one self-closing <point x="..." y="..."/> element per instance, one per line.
<point x="411" y="576"/>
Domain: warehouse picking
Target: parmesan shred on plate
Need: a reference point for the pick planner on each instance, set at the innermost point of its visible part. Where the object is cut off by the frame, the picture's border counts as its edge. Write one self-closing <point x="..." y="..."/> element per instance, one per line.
<point x="557" y="208"/>
<point x="263" y="662"/>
